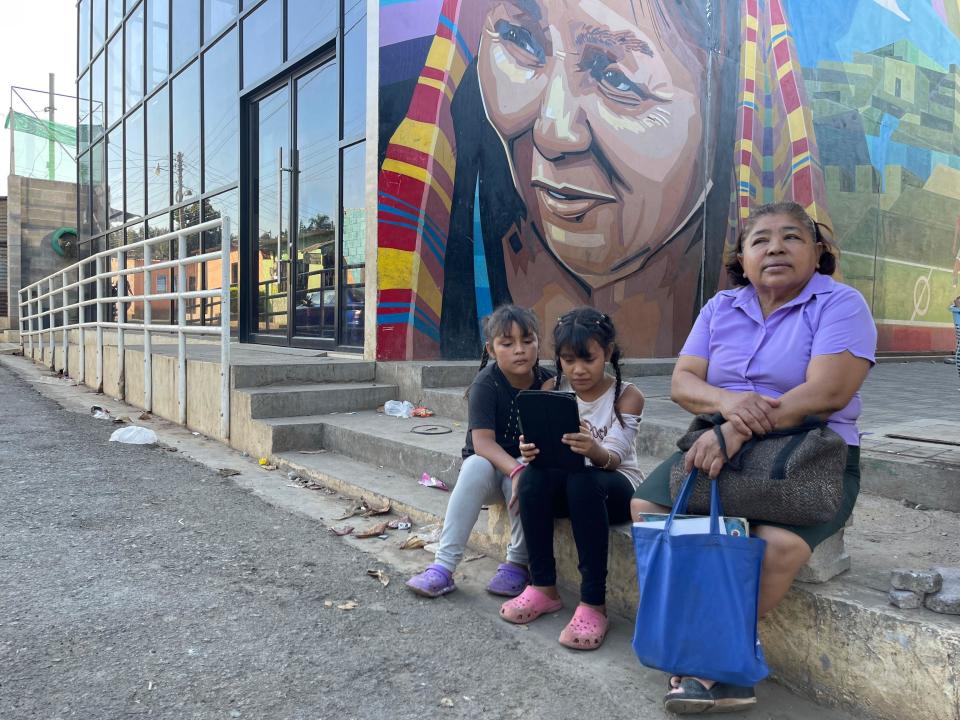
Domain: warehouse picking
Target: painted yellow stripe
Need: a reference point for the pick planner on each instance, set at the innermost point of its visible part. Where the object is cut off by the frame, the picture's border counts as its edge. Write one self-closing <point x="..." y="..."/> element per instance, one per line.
<point x="420" y="174"/>
<point x="752" y="22"/>
<point x="745" y="144"/>
<point x="445" y="57"/>
<point x="783" y="70"/>
<point x="437" y="85"/>
<point x="457" y="68"/>
<point x="427" y="138"/>
<point x="797" y="124"/>
<point x="441" y="54"/>
<point x="402" y="270"/>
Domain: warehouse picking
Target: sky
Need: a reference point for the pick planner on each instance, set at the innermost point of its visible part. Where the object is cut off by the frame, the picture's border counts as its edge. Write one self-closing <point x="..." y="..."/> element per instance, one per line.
<point x="37" y="37"/>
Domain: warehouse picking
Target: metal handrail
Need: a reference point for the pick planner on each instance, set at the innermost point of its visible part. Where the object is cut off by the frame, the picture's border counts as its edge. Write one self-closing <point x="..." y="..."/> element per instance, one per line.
<point x="33" y="314"/>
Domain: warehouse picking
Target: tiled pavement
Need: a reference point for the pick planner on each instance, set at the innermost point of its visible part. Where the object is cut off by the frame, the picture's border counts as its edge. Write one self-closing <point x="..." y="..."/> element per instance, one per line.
<point x="919" y="399"/>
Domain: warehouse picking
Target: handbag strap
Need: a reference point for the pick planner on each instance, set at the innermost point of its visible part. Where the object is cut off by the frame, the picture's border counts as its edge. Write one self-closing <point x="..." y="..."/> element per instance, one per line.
<point x="798" y="434"/>
<point x="723" y="443"/>
<point x="680" y="505"/>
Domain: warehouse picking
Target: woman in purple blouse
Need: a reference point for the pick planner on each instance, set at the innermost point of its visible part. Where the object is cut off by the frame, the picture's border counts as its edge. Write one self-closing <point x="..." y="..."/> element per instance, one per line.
<point x="787" y="343"/>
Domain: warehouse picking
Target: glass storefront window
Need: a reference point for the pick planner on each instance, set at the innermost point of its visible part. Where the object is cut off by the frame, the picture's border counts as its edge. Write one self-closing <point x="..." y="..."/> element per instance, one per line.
<point x="96" y="97"/>
<point x="216" y="15"/>
<point x="115" y="79"/>
<point x="134" y="164"/>
<point x="98" y="215"/>
<point x="83" y="41"/>
<point x="83" y="197"/>
<point x="158" y="151"/>
<point x="262" y="42"/>
<point x="133" y="33"/>
<point x="186" y="134"/>
<point x="221" y="106"/>
<point x="114" y="14"/>
<point x="355" y="71"/>
<point x="185" y="217"/>
<point x="161" y="310"/>
<point x="353" y="225"/>
<point x="83" y="112"/>
<point x="309" y="22"/>
<point x="186" y="30"/>
<point x="115" y="177"/>
<point x="158" y="42"/>
<point x="98" y="23"/>
<point x="225" y="204"/>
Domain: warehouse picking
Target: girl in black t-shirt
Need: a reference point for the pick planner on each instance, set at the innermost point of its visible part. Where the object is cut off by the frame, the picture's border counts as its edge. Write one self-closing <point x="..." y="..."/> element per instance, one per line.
<point x="491" y="467"/>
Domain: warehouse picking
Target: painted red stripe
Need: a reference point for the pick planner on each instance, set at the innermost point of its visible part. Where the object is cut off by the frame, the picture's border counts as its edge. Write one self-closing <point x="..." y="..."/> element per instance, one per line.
<point x="396" y="295"/>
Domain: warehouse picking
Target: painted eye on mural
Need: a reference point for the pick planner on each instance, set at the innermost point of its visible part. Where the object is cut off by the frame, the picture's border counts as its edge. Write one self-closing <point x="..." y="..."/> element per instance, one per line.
<point x="614" y="83"/>
<point x="521" y="38"/>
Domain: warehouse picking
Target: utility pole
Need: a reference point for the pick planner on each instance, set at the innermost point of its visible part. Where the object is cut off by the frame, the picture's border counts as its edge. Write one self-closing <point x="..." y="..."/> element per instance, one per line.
<point x="51" y="154"/>
<point x="178" y="161"/>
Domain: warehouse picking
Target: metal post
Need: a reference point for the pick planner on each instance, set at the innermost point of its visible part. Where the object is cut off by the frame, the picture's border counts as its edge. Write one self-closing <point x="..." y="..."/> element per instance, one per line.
<point x="38" y="303"/>
<point x="51" y="152"/>
<point x="13" y="129"/>
<point x="225" y="329"/>
<point x="147" y="321"/>
<point x="181" y="323"/>
<point x="81" y="319"/>
<point x="65" y="318"/>
<point x="20" y="319"/>
<point x="30" y="321"/>
<point x="50" y="319"/>
<point x="99" y="286"/>
<point x="121" y="318"/>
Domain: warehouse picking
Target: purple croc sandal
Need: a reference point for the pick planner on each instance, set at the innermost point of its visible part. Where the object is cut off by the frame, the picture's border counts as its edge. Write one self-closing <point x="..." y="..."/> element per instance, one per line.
<point x="433" y="582"/>
<point x="509" y="580"/>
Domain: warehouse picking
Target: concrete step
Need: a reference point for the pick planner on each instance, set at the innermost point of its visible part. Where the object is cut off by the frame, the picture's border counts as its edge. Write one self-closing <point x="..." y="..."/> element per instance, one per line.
<point x="309" y="370"/>
<point x="274" y="401"/>
<point x="414" y="378"/>
<point x="839" y="643"/>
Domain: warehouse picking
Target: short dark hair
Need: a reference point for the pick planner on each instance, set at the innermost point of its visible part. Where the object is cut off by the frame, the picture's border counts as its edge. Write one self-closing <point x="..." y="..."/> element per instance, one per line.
<point x="820" y="233"/>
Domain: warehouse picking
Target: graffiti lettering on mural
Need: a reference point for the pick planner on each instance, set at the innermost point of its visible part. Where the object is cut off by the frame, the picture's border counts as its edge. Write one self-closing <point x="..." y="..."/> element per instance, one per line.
<point x="555" y="154"/>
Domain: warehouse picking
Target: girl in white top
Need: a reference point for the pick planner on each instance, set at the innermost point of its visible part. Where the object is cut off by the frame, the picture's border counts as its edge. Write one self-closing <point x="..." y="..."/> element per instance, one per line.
<point x="594" y="497"/>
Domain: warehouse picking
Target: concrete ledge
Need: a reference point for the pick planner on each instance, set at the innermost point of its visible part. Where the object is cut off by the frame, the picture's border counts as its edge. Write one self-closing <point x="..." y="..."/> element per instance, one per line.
<point x="416" y="379"/>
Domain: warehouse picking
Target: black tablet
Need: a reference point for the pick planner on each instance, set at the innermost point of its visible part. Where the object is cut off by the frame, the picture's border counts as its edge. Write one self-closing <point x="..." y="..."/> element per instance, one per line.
<point x="545" y="417"/>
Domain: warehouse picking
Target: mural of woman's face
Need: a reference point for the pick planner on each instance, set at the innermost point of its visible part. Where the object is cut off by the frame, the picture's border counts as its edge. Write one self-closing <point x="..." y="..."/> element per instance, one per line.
<point x="599" y="108"/>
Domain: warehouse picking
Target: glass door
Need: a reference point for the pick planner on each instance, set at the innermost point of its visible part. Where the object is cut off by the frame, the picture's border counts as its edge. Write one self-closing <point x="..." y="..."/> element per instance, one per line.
<point x="317" y="136"/>
<point x="307" y="197"/>
<point x="271" y="259"/>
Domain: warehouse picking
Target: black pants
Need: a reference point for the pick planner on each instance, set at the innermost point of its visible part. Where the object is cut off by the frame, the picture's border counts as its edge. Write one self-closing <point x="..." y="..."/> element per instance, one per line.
<point x="593" y="499"/>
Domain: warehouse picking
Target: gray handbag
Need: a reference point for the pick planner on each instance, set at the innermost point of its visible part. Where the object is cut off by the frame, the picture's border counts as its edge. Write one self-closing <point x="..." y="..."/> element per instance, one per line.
<point x="792" y="476"/>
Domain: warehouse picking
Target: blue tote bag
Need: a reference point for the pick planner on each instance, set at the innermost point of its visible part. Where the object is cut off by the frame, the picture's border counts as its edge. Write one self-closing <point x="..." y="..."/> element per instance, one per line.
<point x="698" y="599"/>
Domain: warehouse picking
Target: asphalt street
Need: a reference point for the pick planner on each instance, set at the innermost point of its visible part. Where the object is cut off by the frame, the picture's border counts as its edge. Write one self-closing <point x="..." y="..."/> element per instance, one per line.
<point x="138" y="583"/>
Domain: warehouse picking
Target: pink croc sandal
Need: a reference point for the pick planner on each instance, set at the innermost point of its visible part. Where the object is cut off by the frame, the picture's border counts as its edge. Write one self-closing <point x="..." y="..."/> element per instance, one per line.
<point x="528" y="606"/>
<point x="586" y="629"/>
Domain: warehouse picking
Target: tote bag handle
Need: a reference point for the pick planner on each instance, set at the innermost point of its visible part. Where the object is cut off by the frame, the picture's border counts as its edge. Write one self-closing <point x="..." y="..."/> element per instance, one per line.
<point x="680" y="506"/>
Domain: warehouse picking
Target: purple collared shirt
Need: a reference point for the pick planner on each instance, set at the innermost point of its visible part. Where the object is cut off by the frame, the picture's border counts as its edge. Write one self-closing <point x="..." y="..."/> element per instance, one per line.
<point x="770" y="356"/>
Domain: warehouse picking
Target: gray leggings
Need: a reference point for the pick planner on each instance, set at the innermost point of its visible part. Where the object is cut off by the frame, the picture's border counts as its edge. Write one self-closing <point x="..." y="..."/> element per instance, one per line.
<point x="478" y="484"/>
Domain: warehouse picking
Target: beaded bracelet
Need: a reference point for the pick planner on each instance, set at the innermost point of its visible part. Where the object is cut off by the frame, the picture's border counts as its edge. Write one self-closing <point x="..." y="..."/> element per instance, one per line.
<point x="606" y="465"/>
